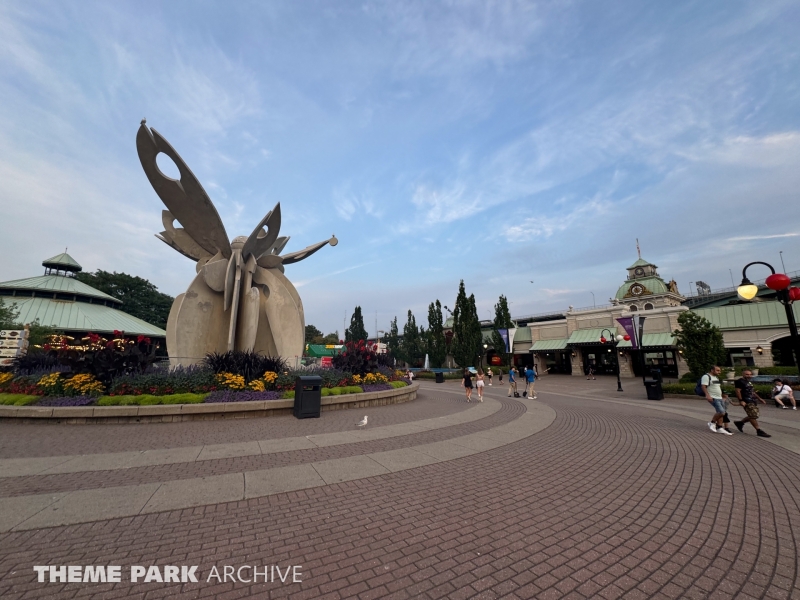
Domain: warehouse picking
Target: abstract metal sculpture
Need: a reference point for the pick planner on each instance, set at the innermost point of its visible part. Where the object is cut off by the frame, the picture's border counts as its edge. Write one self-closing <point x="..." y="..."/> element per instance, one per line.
<point x="240" y="298"/>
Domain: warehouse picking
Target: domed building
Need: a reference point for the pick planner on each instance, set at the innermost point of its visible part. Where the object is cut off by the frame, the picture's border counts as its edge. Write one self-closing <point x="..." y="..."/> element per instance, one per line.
<point x="57" y="299"/>
<point x="645" y="290"/>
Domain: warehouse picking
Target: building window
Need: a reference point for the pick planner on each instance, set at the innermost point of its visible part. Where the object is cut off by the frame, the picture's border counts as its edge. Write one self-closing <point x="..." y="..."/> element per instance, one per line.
<point x="648" y="306"/>
<point x="633" y="307"/>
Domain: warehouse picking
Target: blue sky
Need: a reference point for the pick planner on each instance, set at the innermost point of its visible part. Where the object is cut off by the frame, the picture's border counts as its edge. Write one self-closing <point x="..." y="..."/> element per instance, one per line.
<point x="498" y="142"/>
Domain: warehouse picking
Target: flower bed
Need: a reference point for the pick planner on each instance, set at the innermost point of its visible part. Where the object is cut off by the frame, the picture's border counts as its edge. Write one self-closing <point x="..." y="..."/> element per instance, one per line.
<point x="232" y="377"/>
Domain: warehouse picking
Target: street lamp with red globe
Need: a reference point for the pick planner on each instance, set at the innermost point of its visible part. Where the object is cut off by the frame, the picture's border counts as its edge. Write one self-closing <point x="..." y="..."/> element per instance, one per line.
<point x="786" y="294"/>
<point x="615" y="340"/>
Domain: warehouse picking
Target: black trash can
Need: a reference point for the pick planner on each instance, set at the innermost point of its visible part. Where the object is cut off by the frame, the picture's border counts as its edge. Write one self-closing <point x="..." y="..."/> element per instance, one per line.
<point x="307" y="397"/>
<point x="654" y="389"/>
<point x="439" y="377"/>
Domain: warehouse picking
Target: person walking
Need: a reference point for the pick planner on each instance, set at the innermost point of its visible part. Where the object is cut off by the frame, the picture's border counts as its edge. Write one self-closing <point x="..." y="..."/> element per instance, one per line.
<point x="749" y="399"/>
<point x="512" y="382"/>
<point x="500" y="375"/>
<point x="467" y="383"/>
<point x="479" y="383"/>
<point x="590" y="373"/>
<point x="489" y="375"/>
<point x="713" y="391"/>
<point x="530" y="379"/>
<point x="781" y="392"/>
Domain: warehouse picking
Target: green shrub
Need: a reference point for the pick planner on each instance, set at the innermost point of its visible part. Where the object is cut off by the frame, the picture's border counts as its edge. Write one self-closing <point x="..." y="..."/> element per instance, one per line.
<point x="353" y="389"/>
<point x="336" y="391"/>
<point x="689" y="378"/>
<point x="289" y="394"/>
<point x="778" y="371"/>
<point x="688" y="389"/>
<point x="149" y="400"/>
<point x="398" y="384"/>
<point x="17" y="399"/>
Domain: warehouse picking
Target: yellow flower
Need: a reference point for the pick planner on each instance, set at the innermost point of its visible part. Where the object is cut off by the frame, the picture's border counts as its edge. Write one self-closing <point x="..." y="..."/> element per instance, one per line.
<point x="6" y="377"/>
<point x="231" y="381"/>
<point x="84" y="383"/>
<point x="356" y="379"/>
<point x="256" y="385"/>
<point x="49" y="380"/>
<point x="270" y="376"/>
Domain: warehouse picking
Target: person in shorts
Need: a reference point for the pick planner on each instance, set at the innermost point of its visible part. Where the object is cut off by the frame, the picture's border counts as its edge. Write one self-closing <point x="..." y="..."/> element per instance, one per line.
<point x="713" y="390"/>
<point x="479" y="383"/>
<point x="782" y="392"/>
<point x="500" y="376"/>
<point x="489" y="375"/>
<point x="467" y="383"/>
<point x="749" y="399"/>
<point x="530" y="379"/>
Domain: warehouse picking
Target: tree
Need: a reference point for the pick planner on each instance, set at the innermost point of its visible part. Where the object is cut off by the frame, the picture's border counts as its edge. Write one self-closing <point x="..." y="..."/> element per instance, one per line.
<point x="8" y="316"/>
<point x="411" y="346"/>
<point x="466" y="344"/>
<point x="502" y="320"/>
<point x="331" y="339"/>
<point x="700" y="341"/>
<point x="392" y="340"/>
<point x="314" y="335"/>
<point x="437" y="347"/>
<point x="140" y="298"/>
<point x="356" y="331"/>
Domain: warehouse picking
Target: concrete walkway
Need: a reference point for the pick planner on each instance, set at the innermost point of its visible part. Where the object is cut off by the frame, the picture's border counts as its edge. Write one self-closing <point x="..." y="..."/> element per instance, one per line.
<point x="583" y="493"/>
<point x="65" y="508"/>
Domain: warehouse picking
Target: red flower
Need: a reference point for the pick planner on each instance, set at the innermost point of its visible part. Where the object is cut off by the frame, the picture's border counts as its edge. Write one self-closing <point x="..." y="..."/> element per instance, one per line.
<point x="110" y="345"/>
<point x="141" y="339"/>
<point x="46" y="347"/>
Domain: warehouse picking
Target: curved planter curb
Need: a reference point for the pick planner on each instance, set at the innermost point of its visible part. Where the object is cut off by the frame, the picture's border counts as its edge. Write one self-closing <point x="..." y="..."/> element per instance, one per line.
<point x="170" y="413"/>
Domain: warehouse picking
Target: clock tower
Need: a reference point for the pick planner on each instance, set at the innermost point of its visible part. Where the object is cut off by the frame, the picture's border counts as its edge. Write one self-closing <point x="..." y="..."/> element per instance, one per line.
<point x="645" y="289"/>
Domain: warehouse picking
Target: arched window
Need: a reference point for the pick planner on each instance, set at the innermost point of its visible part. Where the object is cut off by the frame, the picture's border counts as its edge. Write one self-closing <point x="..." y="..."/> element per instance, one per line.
<point x="648" y="306"/>
<point x="633" y="307"/>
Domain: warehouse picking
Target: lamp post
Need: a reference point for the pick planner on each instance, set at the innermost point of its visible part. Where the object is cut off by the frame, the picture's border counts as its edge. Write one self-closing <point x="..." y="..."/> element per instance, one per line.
<point x="594" y="304"/>
<point x="615" y="340"/>
<point x="786" y="295"/>
<point x="483" y="357"/>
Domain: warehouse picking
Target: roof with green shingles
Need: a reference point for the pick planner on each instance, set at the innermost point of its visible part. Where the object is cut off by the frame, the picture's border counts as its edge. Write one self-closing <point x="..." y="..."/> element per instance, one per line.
<point x="80" y="316"/>
<point x="652" y="340"/>
<point x="752" y="314"/>
<point x="523" y="334"/>
<point x="654" y="284"/>
<point x="58" y="284"/>
<point x="641" y="263"/>
<point x="63" y="262"/>
<point x="586" y="336"/>
<point x="547" y="345"/>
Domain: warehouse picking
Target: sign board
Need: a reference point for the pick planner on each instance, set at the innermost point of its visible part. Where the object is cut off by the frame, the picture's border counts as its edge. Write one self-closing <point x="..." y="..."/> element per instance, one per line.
<point x="326" y="361"/>
<point x="13" y="343"/>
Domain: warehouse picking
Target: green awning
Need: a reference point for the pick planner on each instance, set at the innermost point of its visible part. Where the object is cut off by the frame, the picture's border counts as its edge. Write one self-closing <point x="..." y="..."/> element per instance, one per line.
<point x="319" y="350"/>
<point x="548" y="345"/>
<point x="652" y="340"/>
<point x="587" y="336"/>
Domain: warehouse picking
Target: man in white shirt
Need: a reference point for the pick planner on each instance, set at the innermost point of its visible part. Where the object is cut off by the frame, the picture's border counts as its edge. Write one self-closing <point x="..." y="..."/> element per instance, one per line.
<point x="713" y="390"/>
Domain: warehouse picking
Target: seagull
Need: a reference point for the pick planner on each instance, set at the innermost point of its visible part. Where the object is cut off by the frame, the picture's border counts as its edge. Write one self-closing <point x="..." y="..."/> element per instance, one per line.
<point x="363" y="422"/>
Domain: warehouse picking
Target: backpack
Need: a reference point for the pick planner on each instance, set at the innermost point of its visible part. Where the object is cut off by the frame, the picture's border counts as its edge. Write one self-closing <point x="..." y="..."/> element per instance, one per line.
<point x="698" y="389"/>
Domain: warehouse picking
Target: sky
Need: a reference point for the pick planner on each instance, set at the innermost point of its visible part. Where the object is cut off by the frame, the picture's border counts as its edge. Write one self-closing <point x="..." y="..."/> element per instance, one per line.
<point x="520" y="146"/>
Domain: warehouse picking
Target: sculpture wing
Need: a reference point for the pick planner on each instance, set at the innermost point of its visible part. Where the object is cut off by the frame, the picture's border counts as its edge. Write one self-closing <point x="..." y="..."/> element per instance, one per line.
<point x="185" y="198"/>
<point x="306" y="252"/>
<point x="260" y="242"/>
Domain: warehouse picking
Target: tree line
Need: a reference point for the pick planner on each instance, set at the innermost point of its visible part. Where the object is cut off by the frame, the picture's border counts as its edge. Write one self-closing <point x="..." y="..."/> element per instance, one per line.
<point x="464" y="340"/>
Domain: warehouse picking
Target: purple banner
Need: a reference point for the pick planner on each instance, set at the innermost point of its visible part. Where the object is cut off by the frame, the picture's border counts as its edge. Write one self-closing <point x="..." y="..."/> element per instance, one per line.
<point x="627" y="325"/>
<point x="504" y="334"/>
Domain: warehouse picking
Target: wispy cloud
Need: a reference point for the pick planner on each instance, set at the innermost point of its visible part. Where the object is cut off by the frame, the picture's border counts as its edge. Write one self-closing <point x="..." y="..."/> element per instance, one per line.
<point x="763" y="237"/>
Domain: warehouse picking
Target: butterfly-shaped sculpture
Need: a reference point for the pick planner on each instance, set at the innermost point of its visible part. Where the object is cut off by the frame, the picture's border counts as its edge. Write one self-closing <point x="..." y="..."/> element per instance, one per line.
<point x="240" y="298"/>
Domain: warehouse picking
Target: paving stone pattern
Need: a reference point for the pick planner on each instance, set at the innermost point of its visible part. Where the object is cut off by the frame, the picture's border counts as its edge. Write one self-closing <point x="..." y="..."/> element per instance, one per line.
<point x="609" y="501"/>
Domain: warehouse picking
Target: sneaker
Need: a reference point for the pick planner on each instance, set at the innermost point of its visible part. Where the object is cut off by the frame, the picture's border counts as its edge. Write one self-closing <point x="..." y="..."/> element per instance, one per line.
<point x="739" y="426"/>
<point x="794" y="408"/>
<point x="711" y="426"/>
<point x="724" y="431"/>
<point x="783" y="407"/>
<point x="761" y="433"/>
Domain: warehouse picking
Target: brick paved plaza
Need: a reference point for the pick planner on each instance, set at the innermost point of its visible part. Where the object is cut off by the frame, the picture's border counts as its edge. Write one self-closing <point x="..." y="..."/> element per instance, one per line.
<point x="583" y="493"/>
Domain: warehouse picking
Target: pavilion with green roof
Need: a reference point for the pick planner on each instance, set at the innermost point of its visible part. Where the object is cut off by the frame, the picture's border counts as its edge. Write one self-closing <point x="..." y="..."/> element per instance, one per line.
<point x="58" y="300"/>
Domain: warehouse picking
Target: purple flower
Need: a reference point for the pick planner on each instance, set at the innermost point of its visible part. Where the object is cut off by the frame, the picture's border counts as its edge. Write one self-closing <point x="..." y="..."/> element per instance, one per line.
<point x="376" y="387"/>
<point x="66" y="401"/>
<point x="231" y="396"/>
